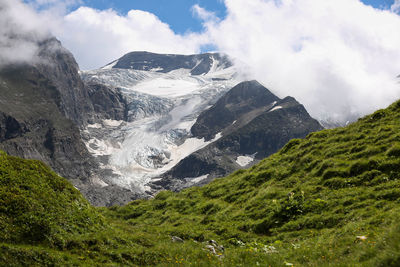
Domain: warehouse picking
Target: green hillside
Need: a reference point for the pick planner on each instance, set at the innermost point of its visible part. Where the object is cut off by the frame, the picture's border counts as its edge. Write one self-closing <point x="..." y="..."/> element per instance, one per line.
<point x="332" y="199"/>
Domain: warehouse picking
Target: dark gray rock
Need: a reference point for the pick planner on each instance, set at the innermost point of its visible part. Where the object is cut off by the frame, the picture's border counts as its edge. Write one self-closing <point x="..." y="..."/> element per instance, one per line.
<point x="241" y="99"/>
<point x="10" y="128"/>
<point x="33" y="126"/>
<point x="198" y="64"/>
<point x="108" y="103"/>
<point x="58" y="65"/>
<point x="43" y="105"/>
<point x="259" y="129"/>
<point x="111" y="195"/>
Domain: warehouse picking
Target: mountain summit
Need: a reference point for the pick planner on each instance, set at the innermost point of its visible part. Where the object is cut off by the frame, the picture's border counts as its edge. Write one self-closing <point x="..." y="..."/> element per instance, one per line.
<point x="197" y="64"/>
<point x="250" y="123"/>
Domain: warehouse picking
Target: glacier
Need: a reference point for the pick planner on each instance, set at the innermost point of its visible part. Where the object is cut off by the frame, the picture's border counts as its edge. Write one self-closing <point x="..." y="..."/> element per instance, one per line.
<point x="162" y="109"/>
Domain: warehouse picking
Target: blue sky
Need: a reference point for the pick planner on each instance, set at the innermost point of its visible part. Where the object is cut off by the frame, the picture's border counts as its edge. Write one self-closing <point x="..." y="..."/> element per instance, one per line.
<point x="379" y="3"/>
<point x="178" y="13"/>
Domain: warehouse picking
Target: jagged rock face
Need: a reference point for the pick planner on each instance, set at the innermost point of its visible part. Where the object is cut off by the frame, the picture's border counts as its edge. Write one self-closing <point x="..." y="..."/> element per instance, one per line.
<point x="33" y="126"/>
<point x="257" y="131"/>
<point x="108" y="103"/>
<point x="198" y="64"/>
<point x="59" y="66"/>
<point x="10" y="128"/>
<point x="42" y="107"/>
<point x="79" y="102"/>
<point x="241" y="99"/>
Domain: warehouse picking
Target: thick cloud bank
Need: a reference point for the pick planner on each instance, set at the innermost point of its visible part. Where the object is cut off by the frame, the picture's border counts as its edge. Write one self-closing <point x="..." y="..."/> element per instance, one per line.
<point x="338" y="57"/>
<point x="396" y="6"/>
<point x="20" y="32"/>
<point x="95" y="37"/>
<point x="98" y="37"/>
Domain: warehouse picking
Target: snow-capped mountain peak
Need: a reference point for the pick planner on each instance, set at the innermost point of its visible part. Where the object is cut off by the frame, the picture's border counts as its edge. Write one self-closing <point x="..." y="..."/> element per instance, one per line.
<point x="200" y="64"/>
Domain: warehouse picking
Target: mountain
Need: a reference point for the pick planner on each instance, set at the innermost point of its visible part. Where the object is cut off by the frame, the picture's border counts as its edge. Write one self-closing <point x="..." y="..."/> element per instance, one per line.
<point x="162" y="96"/>
<point x="240" y="100"/>
<point x="44" y="105"/>
<point x="116" y="130"/>
<point x="197" y="64"/>
<point x="251" y="122"/>
<point x="331" y="199"/>
<point x="95" y="131"/>
<point x="188" y="117"/>
<point x="38" y="118"/>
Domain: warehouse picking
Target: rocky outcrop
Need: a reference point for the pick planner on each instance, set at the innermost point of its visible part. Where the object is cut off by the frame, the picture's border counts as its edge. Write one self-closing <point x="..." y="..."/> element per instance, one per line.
<point x="44" y="105"/>
<point x="108" y="103"/>
<point x="33" y="124"/>
<point x="59" y="66"/>
<point x="240" y="100"/>
<point x="10" y="128"/>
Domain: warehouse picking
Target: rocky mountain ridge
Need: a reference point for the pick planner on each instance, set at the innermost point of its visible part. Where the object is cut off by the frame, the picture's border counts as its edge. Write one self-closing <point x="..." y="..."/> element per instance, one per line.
<point x="254" y="123"/>
<point x="199" y="64"/>
<point x="43" y="105"/>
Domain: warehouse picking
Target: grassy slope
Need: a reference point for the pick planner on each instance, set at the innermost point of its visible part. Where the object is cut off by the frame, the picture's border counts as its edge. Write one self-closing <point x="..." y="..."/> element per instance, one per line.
<point x="305" y="205"/>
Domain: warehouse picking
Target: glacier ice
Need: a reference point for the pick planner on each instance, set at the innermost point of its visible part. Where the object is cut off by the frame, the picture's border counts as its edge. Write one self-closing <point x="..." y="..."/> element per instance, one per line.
<point x="162" y="109"/>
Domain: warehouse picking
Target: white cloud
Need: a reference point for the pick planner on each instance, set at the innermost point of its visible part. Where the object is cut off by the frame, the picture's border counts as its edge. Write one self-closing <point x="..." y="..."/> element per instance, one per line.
<point x="98" y="37"/>
<point x="396" y="6"/>
<point x="95" y="37"/>
<point x="204" y="14"/>
<point x="338" y="57"/>
<point x="20" y="31"/>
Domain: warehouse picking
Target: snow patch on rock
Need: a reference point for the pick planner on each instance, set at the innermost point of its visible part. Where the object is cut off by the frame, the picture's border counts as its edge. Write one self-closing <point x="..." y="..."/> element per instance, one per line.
<point x="112" y="123"/>
<point x="275" y="108"/>
<point x="95" y="125"/>
<point x="244" y="160"/>
<point x="110" y="66"/>
<point x="196" y="180"/>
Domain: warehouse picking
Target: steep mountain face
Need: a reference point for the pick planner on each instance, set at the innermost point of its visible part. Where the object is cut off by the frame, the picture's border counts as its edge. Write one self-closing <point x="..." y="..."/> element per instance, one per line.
<point x="108" y="103"/>
<point x="256" y="124"/>
<point x="42" y="107"/>
<point x="240" y="100"/>
<point x="33" y="126"/>
<point x="59" y="66"/>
